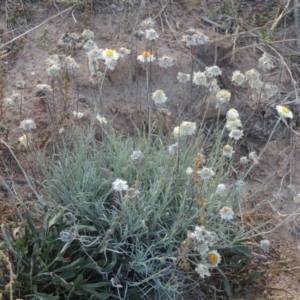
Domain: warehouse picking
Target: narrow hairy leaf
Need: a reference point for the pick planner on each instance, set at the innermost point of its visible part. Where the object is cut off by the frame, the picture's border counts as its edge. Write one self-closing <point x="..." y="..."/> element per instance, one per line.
<point x="226" y="284"/>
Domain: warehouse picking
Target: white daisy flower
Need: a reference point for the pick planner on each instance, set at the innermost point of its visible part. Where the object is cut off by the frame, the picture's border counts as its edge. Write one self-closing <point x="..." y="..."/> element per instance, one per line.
<point x="244" y="160"/>
<point x="238" y="78"/>
<point x="202" y="270"/>
<point x="206" y="173"/>
<point x="120" y="185"/>
<point x="43" y="88"/>
<point x="191" y="235"/>
<point x="223" y="97"/>
<point x="202" y="234"/>
<point x="235" y="124"/>
<point x="265" y="63"/>
<point x="183" y="77"/>
<point x="145" y="57"/>
<point x="232" y="114"/>
<point x="189" y="171"/>
<point x="221" y="188"/>
<point x="109" y="54"/>
<point x="55" y="59"/>
<point x="270" y="89"/>
<point x="136" y="155"/>
<point x="201" y="38"/>
<point x="284" y="112"/>
<point x="148" y="23"/>
<point x="189" y="40"/>
<point x="87" y="34"/>
<point x="213" y="71"/>
<point x="159" y="97"/>
<point x="95" y="54"/>
<point x="14" y="100"/>
<point x="236" y="134"/>
<point x="131" y="193"/>
<point x="265" y="245"/>
<point x="194" y="37"/>
<point x="166" y="61"/>
<point x="90" y="45"/>
<point x="25" y="139"/>
<point x="102" y="120"/>
<point x="77" y="115"/>
<point x="124" y="52"/>
<point x="252" y="75"/>
<point x="213" y="86"/>
<point x="110" y="64"/>
<point x="256" y="85"/>
<point x="8" y="102"/>
<point x="176" y="132"/>
<point x="66" y="236"/>
<point x="203" y="239"/>
<point x="151" y="34"/>
<point x="173" y="149"/>
<point x="202" y="247"/>
<point x="253" y="157"/>
<point x="53" y="71"/>
<point x="212" y="259"/>
<point x="74" y="36"/>
<point x="27" y="125"/>
<point x="228" y="151"/>
<point x="71" y="64"/>
<point x="199" y="78"/>
<point x="187" y="128"/>
<point x="226" y="213"/>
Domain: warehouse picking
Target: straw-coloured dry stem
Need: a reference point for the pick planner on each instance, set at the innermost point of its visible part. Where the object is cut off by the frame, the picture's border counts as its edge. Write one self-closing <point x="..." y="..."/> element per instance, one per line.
<point x="201" y="201"/>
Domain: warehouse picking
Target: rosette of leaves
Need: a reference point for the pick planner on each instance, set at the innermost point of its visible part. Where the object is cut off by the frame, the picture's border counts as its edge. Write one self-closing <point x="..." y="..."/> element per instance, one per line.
<point x="46" y="268"/>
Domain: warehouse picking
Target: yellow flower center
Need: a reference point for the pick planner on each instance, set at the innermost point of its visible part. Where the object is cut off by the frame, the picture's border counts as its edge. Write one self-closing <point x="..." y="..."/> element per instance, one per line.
<point x="285" y="109"/>
<point x="224" y="93"/>
<point x="159" y="93"/>
<point x="146" y="54"/>
<point x="212" y="258"/>
<point x="110" y="52"/>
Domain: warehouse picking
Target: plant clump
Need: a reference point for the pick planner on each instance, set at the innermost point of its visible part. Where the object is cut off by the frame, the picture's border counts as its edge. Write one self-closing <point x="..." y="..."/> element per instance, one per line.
<point x="123" y="217"/>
